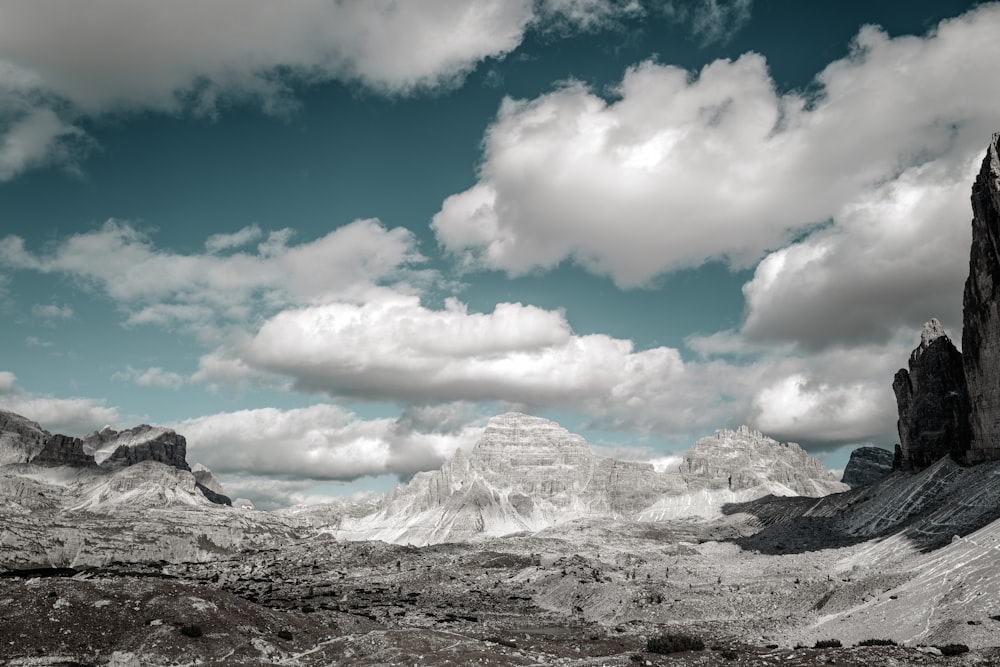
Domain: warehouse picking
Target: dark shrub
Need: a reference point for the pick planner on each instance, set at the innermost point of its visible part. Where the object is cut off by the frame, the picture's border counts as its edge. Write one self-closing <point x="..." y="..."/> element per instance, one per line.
<point x="191" y="630"/>
<point x="828" y="643"/>
<point x="673" y="644"/>
<point x="876" y="642"/>
<point x="285" y="634"/>
<point x="953" y="649"/>
<point x="729" y="655"/>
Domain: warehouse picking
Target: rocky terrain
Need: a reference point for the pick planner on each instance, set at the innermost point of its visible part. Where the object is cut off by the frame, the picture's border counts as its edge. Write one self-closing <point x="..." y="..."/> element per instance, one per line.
<point x="530" y="549"/>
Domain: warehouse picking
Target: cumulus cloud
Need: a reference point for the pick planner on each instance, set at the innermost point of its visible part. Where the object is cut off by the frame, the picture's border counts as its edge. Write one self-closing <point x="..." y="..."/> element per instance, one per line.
<point x="897" y="256"/>
<point x="161" y="287"/>
<point x="61" y="61"/>
<point x="321" y="442"/>
<point x="683" y="168"/>
<point x="440" y="361"/>
<point x="154" y="377"/>
<point x="71" y="416"/>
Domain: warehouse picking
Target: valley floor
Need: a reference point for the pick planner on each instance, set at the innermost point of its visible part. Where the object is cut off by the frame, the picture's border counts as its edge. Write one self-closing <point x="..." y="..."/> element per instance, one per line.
<point x="578" y="594"/>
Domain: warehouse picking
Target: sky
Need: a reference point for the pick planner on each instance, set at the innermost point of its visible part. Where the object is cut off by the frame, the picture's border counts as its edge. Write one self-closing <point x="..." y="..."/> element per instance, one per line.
<point x="326" y="241"/>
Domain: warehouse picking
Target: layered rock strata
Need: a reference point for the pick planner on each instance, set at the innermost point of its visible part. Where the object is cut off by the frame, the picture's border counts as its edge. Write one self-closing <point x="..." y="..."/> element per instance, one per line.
<point x="867" y="465"/>
<point x="527" y="473"/>
<point x="981" y="312"/>
<point x="933" y="402"/>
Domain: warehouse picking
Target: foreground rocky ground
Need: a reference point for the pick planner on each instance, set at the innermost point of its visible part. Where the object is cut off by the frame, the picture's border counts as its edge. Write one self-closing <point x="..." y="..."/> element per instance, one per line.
<point x="579" y="594"/>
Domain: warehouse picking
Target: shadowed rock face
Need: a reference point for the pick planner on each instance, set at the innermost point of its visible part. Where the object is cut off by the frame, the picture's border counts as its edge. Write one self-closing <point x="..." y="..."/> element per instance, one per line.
<point x="981" y="311"/>
<point x="933" y="402"/>
<point x="112" y="448"/>
<point x="62" y="450"/>
<point x="867" y="465"/>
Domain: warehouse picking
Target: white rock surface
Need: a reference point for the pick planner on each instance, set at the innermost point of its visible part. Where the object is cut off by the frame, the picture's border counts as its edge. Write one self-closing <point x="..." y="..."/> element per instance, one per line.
<point x="528" y="473"/>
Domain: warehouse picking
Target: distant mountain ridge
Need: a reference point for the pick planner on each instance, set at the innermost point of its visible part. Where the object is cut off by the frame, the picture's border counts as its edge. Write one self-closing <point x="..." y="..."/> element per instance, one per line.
<point x="527" y="473"/>
<point x="24" y="442"/>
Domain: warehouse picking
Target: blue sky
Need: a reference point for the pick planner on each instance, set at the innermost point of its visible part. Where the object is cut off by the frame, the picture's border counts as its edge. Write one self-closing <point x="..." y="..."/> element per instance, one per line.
<point x="327" y="241"/>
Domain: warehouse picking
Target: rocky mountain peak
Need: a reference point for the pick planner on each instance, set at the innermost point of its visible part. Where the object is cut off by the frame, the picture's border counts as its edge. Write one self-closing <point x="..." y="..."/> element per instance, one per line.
<point x="745" y="458"/>
<point x="931" y="331"/>
<point x="518" y="440"/>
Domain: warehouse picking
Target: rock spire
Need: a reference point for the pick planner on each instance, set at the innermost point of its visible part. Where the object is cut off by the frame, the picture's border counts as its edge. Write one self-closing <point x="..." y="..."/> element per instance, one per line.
<point x="981" y="311"/>
<point x="933" y="402"/>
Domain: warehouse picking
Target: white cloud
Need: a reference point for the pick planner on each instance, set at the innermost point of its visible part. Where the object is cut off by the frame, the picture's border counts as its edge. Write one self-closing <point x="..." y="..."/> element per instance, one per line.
<point x="528" y="358"/>
<point x="62" y="60"/>
<point x="219" y="242"/>
<point x="160" y="287"/>
<point x="52" y="312"/>
<point x="680" y="170"/>
<point x="145" y="54"/>
<point x="154" y="377"/>
<point x="897" y="256"/>
<point x="71" y="416"/>
<point x="34" y="341"/>
<point x="321" y="442"/>
<point x="710" y="20"/>
<point x="36" y="138"/>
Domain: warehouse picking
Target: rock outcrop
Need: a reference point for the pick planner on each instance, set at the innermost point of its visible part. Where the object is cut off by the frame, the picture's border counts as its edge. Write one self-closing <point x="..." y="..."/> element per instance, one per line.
<point x="20" y="439"/>
<point x="527" y="473"/>
<point x="866" y="466"/>
<point x="63" y="450"/>
<point x="981" y="312"/>
<point x="933" y="402"/>
<point x="112" y="448"/>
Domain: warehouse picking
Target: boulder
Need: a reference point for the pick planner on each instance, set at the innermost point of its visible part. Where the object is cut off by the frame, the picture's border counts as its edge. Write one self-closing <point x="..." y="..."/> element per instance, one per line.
<point x="867" y="465"/>
<point x="981" y="312"/>
<point x="932" y="401"/>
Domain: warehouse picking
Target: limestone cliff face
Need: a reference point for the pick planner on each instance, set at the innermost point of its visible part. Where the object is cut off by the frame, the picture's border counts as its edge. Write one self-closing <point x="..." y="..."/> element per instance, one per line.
<point x="20" y="439"/>
<point x="112" y="448"/>
<point x="933" y="402"/>
<point x="63" y="450"/>
<point x="527" y="473"/>
<point x="866" y="466"/>
<point x="981" y="311"/>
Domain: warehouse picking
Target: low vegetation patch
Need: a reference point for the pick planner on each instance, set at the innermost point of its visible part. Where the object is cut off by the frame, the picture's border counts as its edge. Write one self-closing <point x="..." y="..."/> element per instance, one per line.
<point x="876" y="642"/>
<point x="670" y="643"/>
<point x="828" y="643"/>
<point x="191" y="630"/>
<point x="285" y="634"/>
<point x="953" y="649"/>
